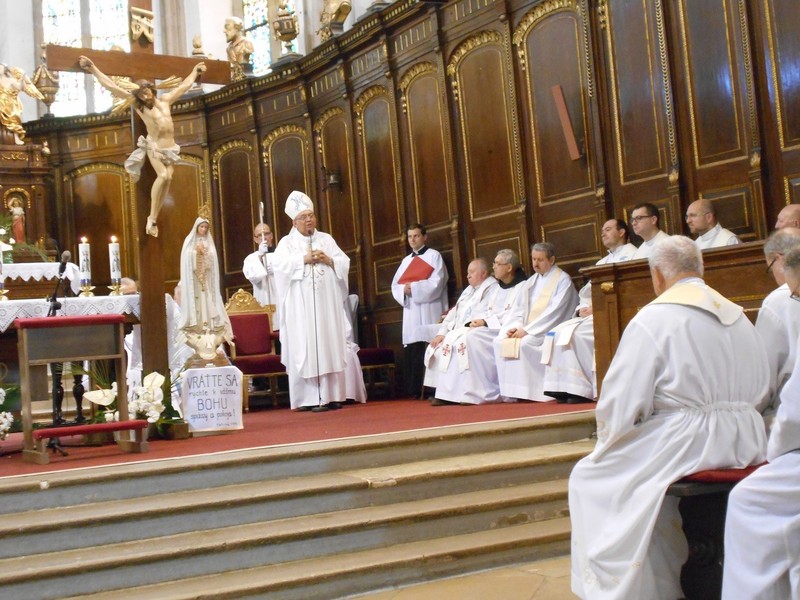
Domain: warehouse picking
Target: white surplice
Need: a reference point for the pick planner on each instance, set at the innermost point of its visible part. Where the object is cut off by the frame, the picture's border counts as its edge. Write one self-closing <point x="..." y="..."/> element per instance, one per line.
<point x="470" y="305"/>
<point x="478" y="384"/>
<point x="258" y="271"/>
<point x="762" y="526"/>
<point x="571" y="368"/>
<point x="428" y="300"/>
<point x="778" y="324"/>
<point x="523" y="377"/>
<point x="716" y="237"/>
<point x="313" y="344"/>
<point x="682" y="395"/>
<point x="646" y="248"/>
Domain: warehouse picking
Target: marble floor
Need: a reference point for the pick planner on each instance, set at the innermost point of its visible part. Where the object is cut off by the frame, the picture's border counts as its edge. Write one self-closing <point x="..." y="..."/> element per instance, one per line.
<point x="542" y="580"/>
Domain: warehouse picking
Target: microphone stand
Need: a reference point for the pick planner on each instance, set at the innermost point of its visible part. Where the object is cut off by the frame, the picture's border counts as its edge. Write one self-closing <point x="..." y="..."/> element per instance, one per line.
<point x="320" y="406"/>
<point x="57" y="369"/>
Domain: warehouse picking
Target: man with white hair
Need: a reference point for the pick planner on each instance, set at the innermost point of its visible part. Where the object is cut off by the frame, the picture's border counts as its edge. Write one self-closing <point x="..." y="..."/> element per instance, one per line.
<point x="471" y="305"/>
<point x="701" y="217"/>
<point x="762" y="526"/>
<point x="311" y="277"/>
<point x="472" y="377"/>
<point x="682" y="395"/>
<point x="569" y="376"/>
<point x="778" y="321"/>
<point x="545" y="300"/>
<point x="788" y="217"/>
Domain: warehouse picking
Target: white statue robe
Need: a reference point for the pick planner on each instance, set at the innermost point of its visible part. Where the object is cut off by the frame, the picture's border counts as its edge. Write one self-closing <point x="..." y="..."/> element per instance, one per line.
<point x="646" y="248"/>
<point x="428" y="300"/>
<point x="716" y="237"/>
<point x="778" y="324"/>
<point x="313" y="344"/>
<point x="682" y="395"/>
<point x="470" y="305"/>
<point x="762" y="526"/>
<point x="478" y="383"/>
<point x="571" y="368"/>
<point x="258" y="271"/>
<point x="523" y="377"/>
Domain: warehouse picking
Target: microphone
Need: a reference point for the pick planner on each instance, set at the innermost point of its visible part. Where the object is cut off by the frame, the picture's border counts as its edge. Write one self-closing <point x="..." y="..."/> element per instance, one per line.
<point x="66" y="255"/>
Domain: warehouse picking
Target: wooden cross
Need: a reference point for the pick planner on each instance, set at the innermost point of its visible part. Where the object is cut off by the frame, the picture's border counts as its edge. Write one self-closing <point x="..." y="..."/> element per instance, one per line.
<point x="141" y="63"/>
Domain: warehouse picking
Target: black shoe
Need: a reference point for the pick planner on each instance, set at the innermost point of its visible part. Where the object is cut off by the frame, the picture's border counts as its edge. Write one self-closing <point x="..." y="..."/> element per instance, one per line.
<point x="304" y="409"/>
<point x="321" y="408"/>
<point x="334" y="405"/>
<point x="439" y="402"/>
<point x="561" y="397"/>
<point x="578" y="400"/>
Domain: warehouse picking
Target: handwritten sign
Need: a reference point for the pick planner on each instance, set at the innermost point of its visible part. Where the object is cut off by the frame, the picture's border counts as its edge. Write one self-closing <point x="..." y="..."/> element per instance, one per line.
<point x="212" y="398"/>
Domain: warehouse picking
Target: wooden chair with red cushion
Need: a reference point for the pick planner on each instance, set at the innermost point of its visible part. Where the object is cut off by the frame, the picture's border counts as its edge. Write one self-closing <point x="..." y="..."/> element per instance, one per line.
<point x="253" y="347"/>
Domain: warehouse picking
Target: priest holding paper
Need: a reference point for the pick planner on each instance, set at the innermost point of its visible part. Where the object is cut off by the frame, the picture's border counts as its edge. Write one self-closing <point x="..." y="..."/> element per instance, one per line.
<point x="420" y="287"/>
<point x="311" y="276"/>
<point x="547" y="299"/>
<point x="258" y="270"/>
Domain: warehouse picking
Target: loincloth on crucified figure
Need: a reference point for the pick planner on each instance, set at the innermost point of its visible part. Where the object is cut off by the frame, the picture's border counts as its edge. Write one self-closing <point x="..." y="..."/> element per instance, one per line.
<point x="133" y="165"/>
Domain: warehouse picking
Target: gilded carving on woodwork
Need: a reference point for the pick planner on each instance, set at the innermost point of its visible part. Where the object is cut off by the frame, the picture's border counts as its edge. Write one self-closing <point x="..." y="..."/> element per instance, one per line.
<point x="602" y="14"/>
<point x="224" y="149"/>
<point x="530" y="20"/>
<point x="776" y="82"/>
<point x="674" y="176"/>
<point x="275" y="134"/>
<point x="476" y="41"/>
<point x="409" y="76"/>
<point x="666" y="86"/>
<point x="18" y="156"/>
<point x="607" y="287"/>
<point x="600" y="194"/>
<point x="748" y="75"/>
<point x="17" y="192"/>
<point x="141" y="24"/>
<point x="363" y="100"/>
<point x="323" y="119"/>
<point x="755" y="158"/>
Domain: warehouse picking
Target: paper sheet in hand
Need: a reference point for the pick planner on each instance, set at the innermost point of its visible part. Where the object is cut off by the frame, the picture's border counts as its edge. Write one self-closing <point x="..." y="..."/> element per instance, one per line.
<point x="418" y="270"/>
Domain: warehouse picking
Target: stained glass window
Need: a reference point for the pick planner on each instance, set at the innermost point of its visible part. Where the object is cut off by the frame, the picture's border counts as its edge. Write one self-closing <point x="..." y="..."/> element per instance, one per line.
<point x="108" y="26"/>
<point x="257" y="28"/>
<point x="61" y="24"/>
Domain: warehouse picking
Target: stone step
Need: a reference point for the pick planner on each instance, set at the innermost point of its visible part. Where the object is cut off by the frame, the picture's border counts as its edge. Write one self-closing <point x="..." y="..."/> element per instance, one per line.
<point x="340" y="575"/>
<point x="196" y="553"/>
<point x="64" y="528"/>
<point x="129" y="481"/>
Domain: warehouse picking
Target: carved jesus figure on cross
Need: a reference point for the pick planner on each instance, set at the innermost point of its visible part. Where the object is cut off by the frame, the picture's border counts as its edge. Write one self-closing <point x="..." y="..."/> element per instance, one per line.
<point x="159" y="145"/>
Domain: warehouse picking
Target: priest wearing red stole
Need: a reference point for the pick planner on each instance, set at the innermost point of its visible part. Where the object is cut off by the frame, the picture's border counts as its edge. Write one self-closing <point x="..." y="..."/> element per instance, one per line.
<point x="420" y="287"/>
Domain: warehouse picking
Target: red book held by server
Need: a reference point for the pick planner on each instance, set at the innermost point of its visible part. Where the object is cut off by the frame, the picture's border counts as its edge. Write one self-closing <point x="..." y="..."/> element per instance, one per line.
<point x="418" y="270"/>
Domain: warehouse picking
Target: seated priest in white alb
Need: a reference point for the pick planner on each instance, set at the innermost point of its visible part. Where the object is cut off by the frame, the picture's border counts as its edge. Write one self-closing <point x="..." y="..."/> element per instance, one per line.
<point x="701" y="217"/>
<point x="645" y="223"/>
<point x="682" y="395"/>
<point x="472" y="304"/>
<point x="778" y="321"/>
<point x="545" y="300"/>
<point x="472" y="377"/>
<point x="570" y="373"/>
<point x="762" y="527"/>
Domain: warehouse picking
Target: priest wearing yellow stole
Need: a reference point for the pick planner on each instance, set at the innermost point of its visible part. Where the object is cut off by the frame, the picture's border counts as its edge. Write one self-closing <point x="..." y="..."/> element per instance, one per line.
<point x="547" y="299"/>
<point x="682" y="395"/>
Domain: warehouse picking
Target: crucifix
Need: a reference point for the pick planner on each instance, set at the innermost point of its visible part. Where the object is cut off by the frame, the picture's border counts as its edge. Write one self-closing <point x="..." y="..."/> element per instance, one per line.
<point x="142" y="63"/>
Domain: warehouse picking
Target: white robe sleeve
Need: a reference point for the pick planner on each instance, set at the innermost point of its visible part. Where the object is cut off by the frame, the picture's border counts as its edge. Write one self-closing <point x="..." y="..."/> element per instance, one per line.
<point x="562" y="305"/>
<point x="398" y="289"/>
<point x="430" y="289"/>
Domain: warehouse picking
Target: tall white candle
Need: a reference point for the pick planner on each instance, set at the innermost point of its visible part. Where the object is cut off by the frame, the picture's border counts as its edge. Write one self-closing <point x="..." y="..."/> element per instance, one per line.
<point x="114" y="259"/>
<point x="85" y="261"/>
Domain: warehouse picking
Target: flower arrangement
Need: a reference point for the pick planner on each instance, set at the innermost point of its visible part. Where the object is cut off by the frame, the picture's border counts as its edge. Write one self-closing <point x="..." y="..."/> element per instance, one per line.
<point x="148" y="399"/>
<point x="108" y="400"/>
<point x="7" y="421"/>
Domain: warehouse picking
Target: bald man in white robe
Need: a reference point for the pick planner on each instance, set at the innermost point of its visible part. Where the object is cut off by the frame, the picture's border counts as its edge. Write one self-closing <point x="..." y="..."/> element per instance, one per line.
<point x="472" y="304"/>
<point x="473" y="379"/>
<point x="682" y="395"/>
<point x="762" y="526"/>
<point x="570" y="374"/>
<point x="545" y="300"/>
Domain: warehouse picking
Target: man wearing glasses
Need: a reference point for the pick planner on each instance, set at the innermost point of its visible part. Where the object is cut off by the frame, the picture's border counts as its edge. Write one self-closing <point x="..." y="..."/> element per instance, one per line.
<point x="311" y="276"/>
<point x="644" y="220"/>
<point x="762" y="527"/>
<point x="682" y="395"/>
<point x="778" y="321"/>
<point x="701" y="217"/>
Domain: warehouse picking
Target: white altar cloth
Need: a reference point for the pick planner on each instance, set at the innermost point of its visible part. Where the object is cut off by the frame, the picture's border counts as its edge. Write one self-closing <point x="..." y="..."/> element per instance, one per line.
<point x="42" y="270"/>
<point x="91" y="305"/>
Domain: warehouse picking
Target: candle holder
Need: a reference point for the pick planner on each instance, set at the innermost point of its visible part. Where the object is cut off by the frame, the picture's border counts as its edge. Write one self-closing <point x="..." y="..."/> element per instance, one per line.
<point x="114" y="287"/>
<point x="86" y="290"/>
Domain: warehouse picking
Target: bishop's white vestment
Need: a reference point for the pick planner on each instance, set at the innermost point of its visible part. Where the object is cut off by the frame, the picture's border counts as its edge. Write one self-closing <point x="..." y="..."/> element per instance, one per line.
<point x="778" y="324"/>
<point x="523" y="377"/>
<point x="472" y="304"/>
<point x="313" y="342"/>
<point x="258" y="270"/>
<point x="682" y="395"/>
<point x="571" y="368"/>
<point x="474" y="381"/>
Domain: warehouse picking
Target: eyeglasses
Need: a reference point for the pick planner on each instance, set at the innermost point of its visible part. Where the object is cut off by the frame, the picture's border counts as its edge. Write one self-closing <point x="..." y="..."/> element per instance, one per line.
<point x="772" y="263"/>
<point x="640" y="217"/>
